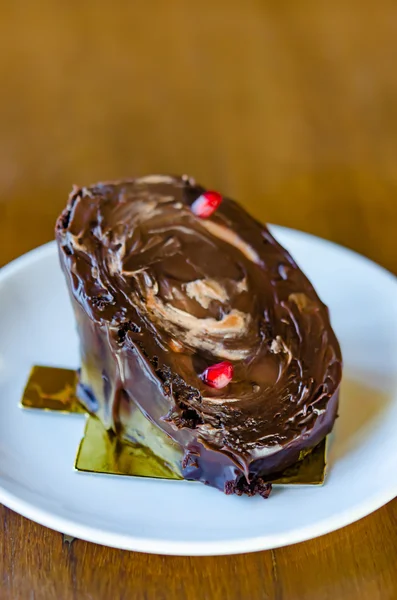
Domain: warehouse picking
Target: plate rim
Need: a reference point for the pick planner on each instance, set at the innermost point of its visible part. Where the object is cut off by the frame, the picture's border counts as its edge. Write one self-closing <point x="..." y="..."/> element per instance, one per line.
<point x="187" y="548"/>
<point x="196" y="548"/>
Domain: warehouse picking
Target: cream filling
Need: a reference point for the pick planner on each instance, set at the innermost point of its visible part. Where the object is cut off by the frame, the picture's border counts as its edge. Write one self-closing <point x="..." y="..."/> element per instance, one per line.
<point x="155" y="179"/>
<point x="227" y="235"/>
<point x="206" y="290"/>
<point x="199" y="333"/>
<point x="215" y="400"/>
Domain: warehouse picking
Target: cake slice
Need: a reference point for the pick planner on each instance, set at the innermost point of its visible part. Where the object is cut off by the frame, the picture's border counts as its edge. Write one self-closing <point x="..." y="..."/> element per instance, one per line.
<point x="200" y="336"/>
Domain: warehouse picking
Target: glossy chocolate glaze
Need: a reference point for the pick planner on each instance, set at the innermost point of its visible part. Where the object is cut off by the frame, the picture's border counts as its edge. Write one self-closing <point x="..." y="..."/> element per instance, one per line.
<point x="160" y="294"/>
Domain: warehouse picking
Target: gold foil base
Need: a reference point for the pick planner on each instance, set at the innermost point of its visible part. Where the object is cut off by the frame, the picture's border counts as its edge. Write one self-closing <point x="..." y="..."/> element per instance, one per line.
<point x="51" y="388"/>
<point x="310" y="470"/>
<point x="100" y="451"/>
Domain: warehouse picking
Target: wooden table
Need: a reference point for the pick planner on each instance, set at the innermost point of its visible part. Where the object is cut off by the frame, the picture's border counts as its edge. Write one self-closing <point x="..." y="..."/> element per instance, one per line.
<point x="290" y="107"/>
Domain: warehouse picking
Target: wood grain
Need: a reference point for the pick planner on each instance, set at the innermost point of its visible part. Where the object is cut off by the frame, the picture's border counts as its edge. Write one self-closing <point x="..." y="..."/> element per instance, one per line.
<point x="292" y="108"/>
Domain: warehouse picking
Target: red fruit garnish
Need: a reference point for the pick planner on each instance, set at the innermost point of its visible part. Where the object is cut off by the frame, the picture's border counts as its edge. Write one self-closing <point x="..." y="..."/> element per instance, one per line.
<point x="206" y="204"/>
<point x="218" y="376"/>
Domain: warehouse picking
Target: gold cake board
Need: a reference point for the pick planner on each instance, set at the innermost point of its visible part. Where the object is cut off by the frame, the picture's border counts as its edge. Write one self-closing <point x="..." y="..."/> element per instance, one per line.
<point x="100" y="451"/>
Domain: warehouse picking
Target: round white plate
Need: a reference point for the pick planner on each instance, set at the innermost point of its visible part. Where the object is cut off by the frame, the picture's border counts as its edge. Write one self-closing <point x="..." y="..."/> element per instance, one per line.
<point x="37" y="450"/>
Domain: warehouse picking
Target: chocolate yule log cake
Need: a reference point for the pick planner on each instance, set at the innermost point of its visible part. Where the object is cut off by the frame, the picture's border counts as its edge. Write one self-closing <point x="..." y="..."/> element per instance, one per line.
<point x="201" y="338"/>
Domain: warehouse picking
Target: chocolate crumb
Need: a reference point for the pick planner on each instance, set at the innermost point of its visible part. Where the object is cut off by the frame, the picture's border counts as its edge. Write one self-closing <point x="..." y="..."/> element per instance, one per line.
<point x="185" y="395"/>
<point x="189" y="460"/>
<point x="99" y="302"/>
<point x="241" y="486"/>
<point x="125" y="328"/>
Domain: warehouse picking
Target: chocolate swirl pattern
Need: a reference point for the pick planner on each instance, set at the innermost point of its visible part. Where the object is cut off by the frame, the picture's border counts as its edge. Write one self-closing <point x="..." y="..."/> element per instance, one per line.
<point x="161" y="295"/>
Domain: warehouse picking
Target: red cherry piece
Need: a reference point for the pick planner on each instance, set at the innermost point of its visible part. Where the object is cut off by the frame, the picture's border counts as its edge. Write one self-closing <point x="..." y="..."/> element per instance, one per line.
<point x="218" y="376"/>
<point x="206" y="204"/>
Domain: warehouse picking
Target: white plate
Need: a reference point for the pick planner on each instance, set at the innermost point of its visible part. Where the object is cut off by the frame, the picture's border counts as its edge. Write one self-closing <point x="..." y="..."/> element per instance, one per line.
<point x="37" y="450"/>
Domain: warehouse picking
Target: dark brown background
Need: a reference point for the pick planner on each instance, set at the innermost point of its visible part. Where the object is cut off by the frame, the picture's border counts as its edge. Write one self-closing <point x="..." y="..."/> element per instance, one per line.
<point x="289" y="106"/>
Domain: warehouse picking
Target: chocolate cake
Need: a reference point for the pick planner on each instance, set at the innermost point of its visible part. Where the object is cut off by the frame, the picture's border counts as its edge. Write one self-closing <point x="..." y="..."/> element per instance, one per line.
<point x="200" y="336"/>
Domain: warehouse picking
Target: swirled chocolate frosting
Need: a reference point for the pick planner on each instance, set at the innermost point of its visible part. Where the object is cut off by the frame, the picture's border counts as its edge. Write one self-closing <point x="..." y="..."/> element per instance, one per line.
<point x="163" y="295"/>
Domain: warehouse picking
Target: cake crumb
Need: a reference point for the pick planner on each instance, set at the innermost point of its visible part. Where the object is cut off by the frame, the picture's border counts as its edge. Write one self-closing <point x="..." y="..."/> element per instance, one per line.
<point x="241" y="486"/>
<point x="277" y="346"/>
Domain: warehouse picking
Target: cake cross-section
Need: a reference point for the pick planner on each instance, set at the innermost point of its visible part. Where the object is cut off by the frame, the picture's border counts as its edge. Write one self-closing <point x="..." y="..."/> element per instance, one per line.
<point x="200" y="336"/>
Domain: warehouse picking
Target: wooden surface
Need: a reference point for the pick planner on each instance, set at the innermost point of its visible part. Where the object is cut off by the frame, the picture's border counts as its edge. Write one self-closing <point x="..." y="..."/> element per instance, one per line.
<point x="289" y="106"/>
